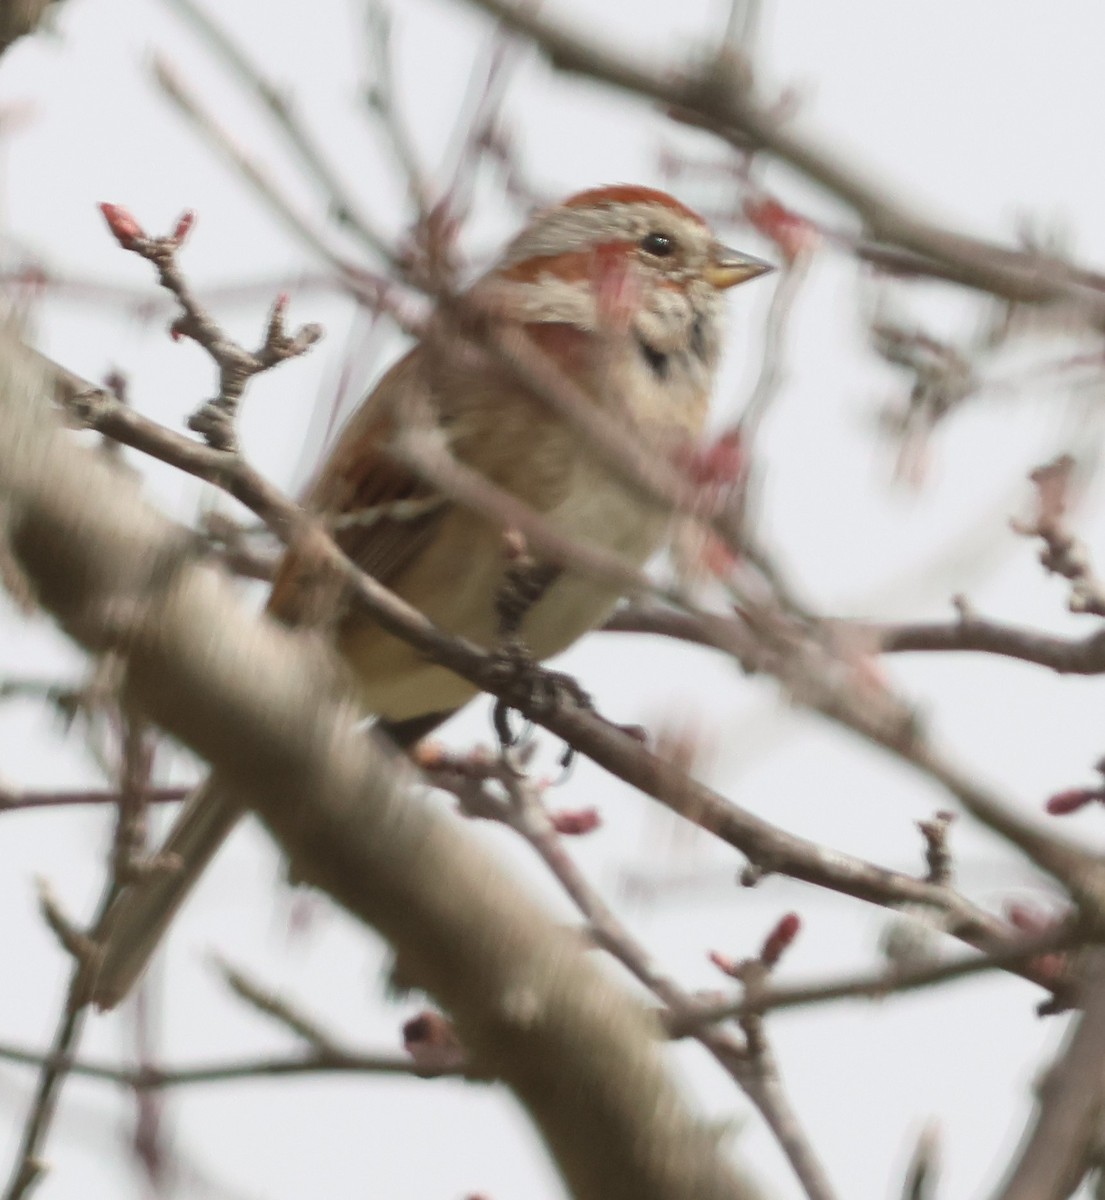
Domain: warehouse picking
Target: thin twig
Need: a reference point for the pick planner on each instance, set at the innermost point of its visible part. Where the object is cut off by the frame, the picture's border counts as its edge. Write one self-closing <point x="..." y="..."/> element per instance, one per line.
<point x="1067" y="656"/>
<point x="366" y="287"/>
<point x="227" y="1072"/>
<point x="281" y="1010"/>
<point x="880" y="985"/>
<point x="30" y="1165"/>
<point x="236" y="365"/>
<point x="712" y="95"/>
<point x="1065" y="1136"/>
<point x="524" y="812"/>
<point x="380" y="96"/>
<point x="276" y="102"/>
<point x="12" y="801"/>
<point x="761" y="842"/>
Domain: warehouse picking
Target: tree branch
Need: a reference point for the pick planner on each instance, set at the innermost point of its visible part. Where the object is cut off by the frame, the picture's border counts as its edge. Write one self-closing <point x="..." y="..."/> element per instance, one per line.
<point x="717" y="95"/>
<point x="1066" y="1135"/>
<point x="262" y="706"/>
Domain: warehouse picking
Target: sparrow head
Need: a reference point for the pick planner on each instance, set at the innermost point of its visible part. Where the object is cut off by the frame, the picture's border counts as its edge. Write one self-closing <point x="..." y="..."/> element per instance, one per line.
<point x="627" y="255"/>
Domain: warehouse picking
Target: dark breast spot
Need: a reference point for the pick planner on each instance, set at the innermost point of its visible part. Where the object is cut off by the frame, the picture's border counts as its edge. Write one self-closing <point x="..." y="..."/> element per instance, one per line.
<point x="657" y="361"/>
<point x="698" y="339"/>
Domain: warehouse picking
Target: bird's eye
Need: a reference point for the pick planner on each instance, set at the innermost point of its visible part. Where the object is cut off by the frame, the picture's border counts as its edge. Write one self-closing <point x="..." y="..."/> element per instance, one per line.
<point x="659" y="244"/>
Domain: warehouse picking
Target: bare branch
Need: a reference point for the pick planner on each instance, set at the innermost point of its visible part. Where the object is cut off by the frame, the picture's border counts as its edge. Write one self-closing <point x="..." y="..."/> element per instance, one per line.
<point x="754" y="1072"/>
<point x="280" y="1010"/>
<point x="1066" y="1135"/>
<point x="716" y="97"/>
<point x="236" y="365"/>
<point x="1067" y="656"/>
<point x="230" y="1072"/>
<point x="880" y="984"/>
<point x="529" y="1005"/>
<point x="368" y="288"/>
<point x="343" y="206"/>
<point x="11" y="801"/>
<point x="770" y="848"/>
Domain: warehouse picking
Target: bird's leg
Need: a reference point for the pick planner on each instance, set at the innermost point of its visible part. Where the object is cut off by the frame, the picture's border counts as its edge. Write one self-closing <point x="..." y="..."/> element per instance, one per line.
<point x="525" y="583"/>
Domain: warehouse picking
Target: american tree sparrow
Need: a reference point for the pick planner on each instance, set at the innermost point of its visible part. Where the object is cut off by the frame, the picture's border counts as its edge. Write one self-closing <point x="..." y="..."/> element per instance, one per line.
<point x="621" y="288"/>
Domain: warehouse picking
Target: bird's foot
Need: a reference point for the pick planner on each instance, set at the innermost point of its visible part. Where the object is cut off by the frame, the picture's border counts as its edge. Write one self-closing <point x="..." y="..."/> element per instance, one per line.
<point x="521" y="683"/>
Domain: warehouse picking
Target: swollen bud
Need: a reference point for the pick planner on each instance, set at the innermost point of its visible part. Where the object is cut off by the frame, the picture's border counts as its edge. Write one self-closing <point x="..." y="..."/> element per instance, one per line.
<point x="124" y="228"/>
<point x="183" y="226"/>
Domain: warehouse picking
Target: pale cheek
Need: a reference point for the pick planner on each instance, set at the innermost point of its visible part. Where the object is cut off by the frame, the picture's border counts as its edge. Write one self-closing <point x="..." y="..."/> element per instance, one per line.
<point x="665" y="319"/>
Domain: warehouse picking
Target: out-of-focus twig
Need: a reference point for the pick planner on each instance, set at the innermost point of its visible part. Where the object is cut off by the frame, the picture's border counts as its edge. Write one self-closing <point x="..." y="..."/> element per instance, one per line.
<point x="228" y="1072"/>
<point x="343" y="205"/>
<point x="17" y="801"/>
<point x="367" y="287"/>
<point x="524" y="812"/>
<point x="921" y="1175"/>
<point x="264" y="706"/>
<point x="1067" y="656"/>
<point x="236" y="365"/>
<point x="1063" y="553"/>
<point x="764" y="844"/>
<point x="18" y="18"/>
<point x="1065" y="1136"/>
<point x="281" y="1010"/>
<point x="879" y="985"/>
<point x="382" y="100"/>
<point x="712" y="95"/>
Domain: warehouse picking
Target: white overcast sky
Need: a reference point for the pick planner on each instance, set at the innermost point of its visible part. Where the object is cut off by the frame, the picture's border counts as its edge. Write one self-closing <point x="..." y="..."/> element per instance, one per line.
<point x="981" y="114"/>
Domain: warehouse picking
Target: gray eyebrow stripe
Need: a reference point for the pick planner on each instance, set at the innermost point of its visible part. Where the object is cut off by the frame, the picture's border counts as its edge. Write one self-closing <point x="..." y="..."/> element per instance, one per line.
<point x="568" y="229"/>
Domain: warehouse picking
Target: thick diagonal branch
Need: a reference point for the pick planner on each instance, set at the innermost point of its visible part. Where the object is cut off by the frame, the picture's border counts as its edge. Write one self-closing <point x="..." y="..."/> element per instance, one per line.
<point x="263" y="707"/>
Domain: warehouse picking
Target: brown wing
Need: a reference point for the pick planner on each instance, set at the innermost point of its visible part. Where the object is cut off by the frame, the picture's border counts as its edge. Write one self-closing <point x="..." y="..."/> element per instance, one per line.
<point x="380" y="514"/>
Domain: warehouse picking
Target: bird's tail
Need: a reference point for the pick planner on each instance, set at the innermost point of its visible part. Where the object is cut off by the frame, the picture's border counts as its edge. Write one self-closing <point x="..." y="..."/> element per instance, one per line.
<point x="143" y="911"/>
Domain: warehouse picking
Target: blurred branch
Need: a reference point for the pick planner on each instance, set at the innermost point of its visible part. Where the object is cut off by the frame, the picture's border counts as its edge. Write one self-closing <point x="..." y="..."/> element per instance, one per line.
<point x="30" y="1165"/>
<point x="523" y="811"/>
<point x="366" y="287"/>
<point x="278" y="1009"/>
<point x="1067" y="656"/>
<point x="528" y="1003"/>
<point x="921" y="1175"/>
<point x="718" y="95"/>
<point x="382" y="100"/>
<point x="229" y="1072"/>
<point x="766" y="846"/>
<point x="1063" y="553"/>
<point x="1066" y="1136"/>
<point x="14" y="801"/>
<point x="343" y="206"/>
<point x="21" y="17"/>
<point x="877" y="985"/>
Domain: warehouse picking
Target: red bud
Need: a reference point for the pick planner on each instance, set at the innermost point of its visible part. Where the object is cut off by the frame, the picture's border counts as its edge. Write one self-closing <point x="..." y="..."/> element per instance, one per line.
<point x="1028" y="919"/>
<point x="721" y="463"/>
<point x="124" y="228"/>
<point x="575" y="822"/>
<point x="431" y="1041"/>
<point x="1071" y="800"/>
<point x="779" y="939"/>
<point x="794" y="235"/>
<point x="724" y="963"/>
<point x="183" y="226"/>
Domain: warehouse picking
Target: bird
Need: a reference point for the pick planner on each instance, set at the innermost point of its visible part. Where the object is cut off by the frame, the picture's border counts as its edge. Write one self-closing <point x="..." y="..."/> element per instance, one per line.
<point x="621" y="288"/>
